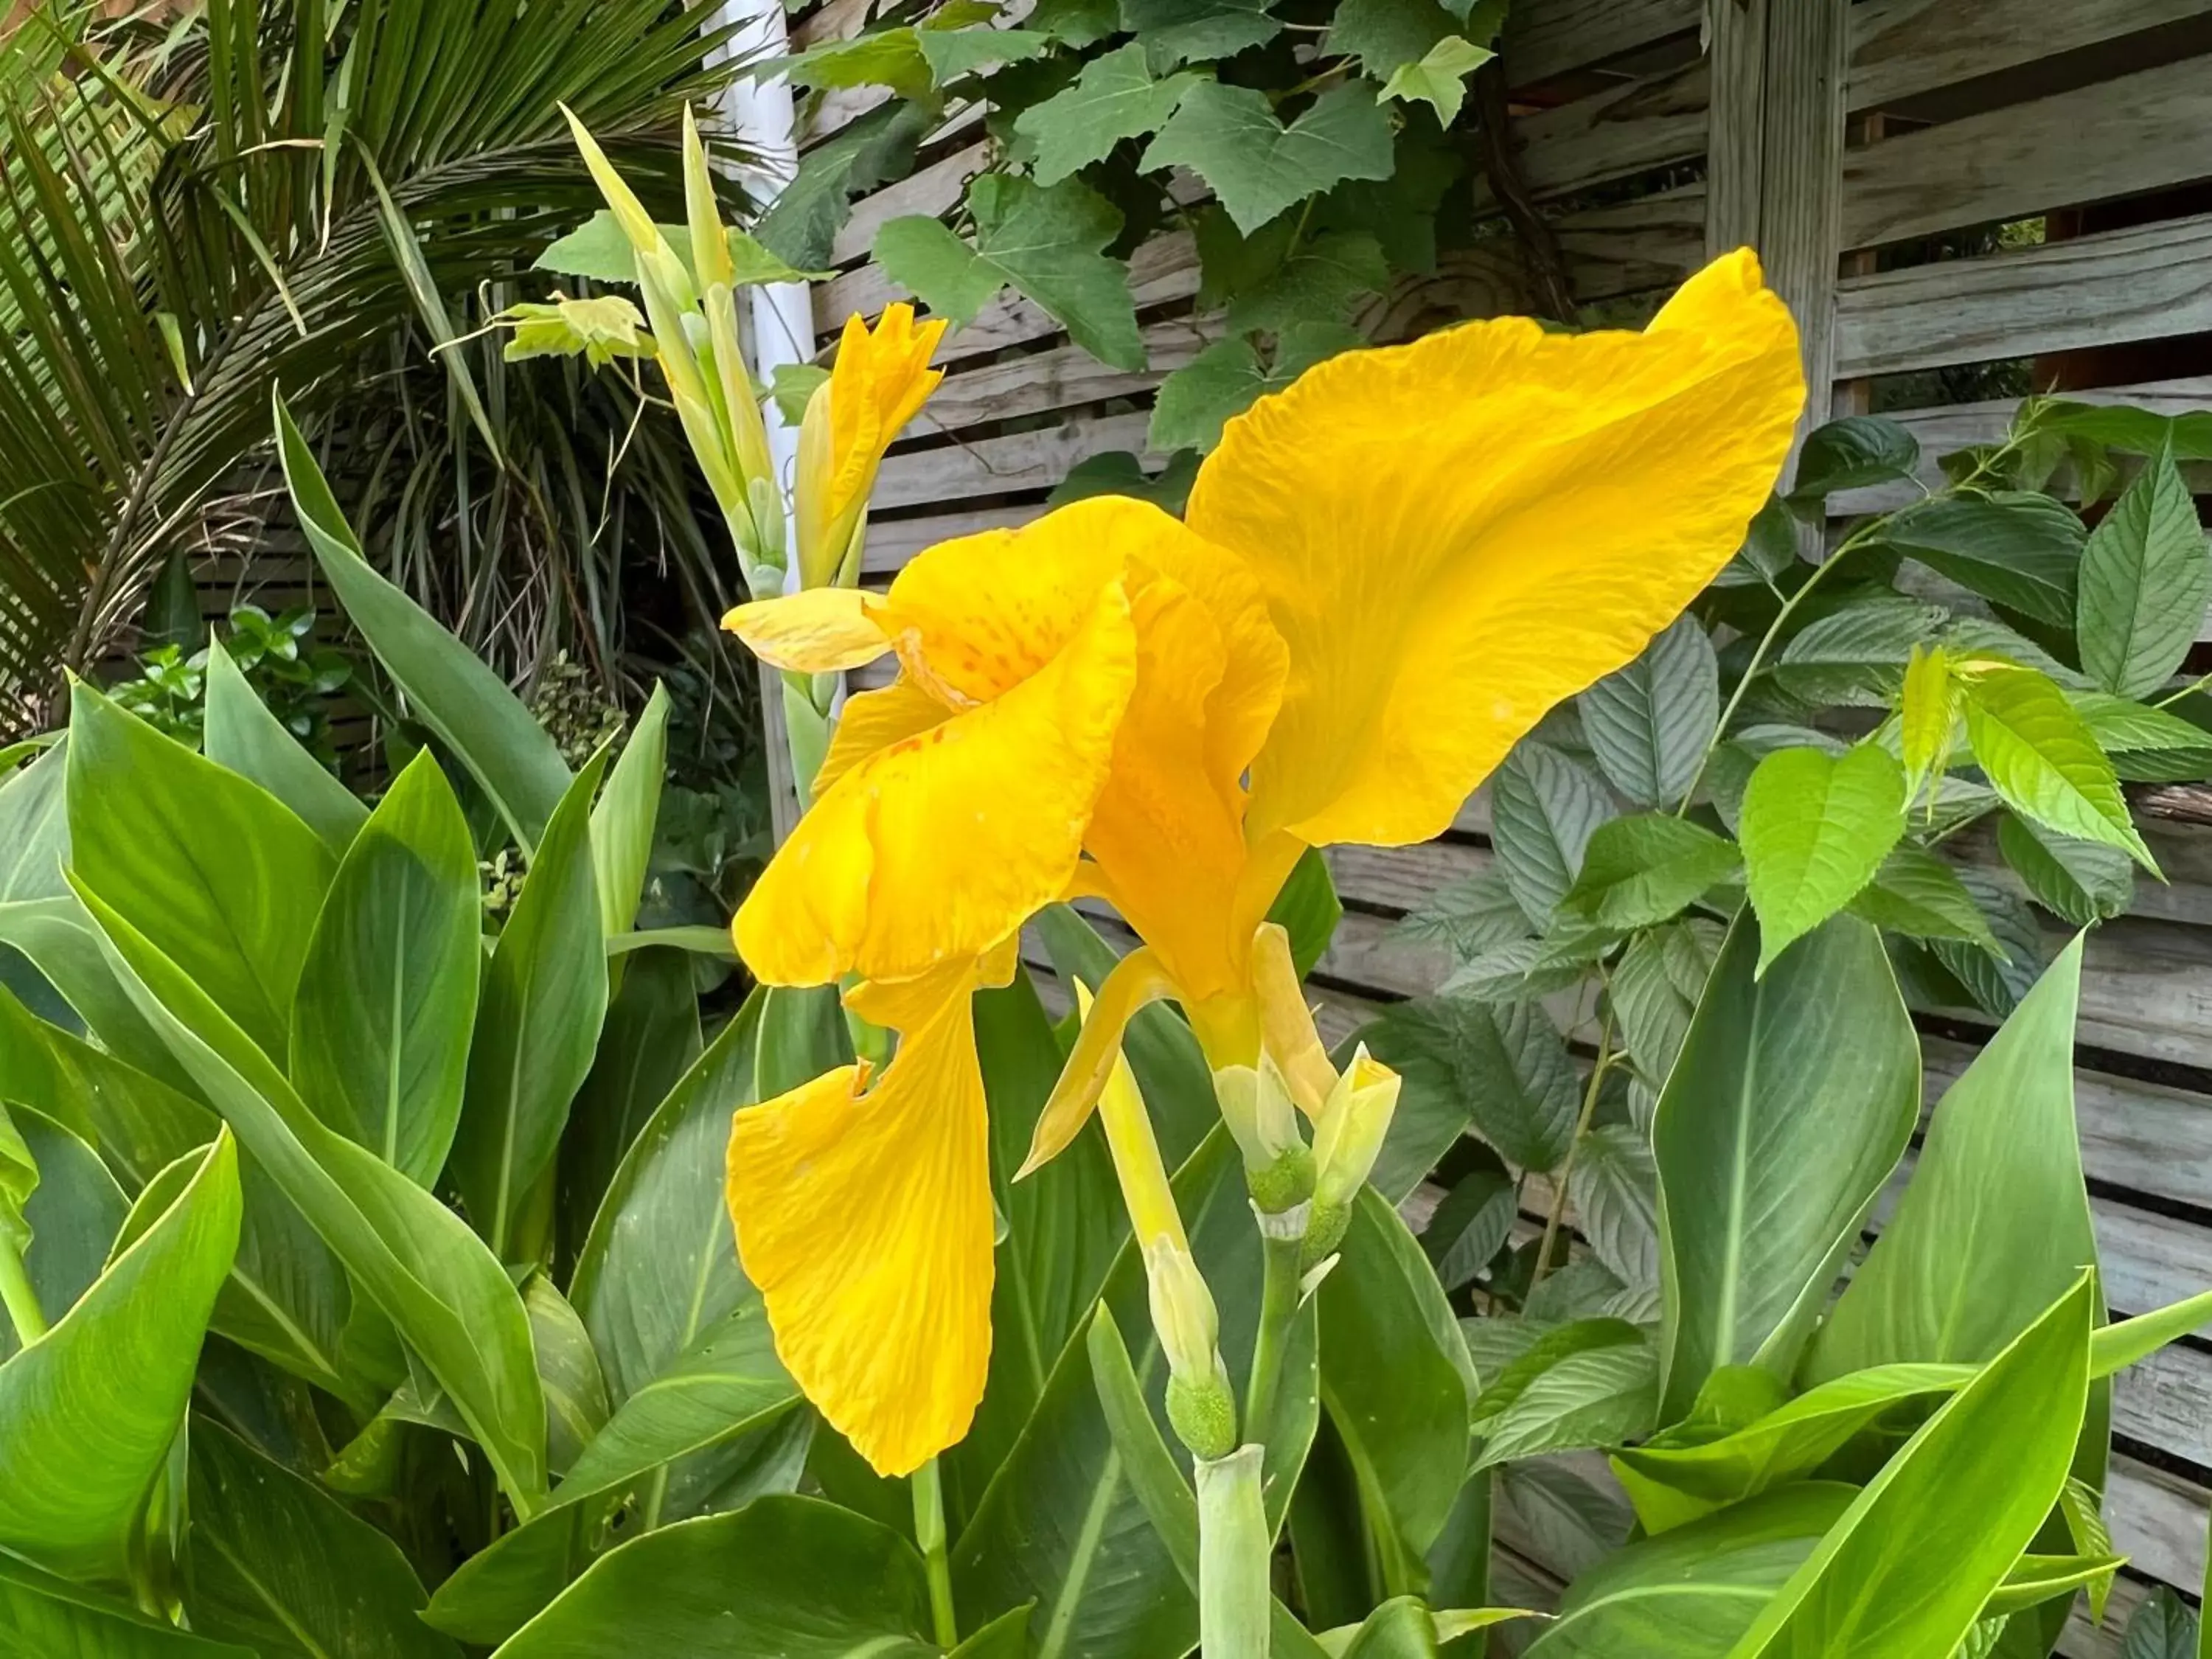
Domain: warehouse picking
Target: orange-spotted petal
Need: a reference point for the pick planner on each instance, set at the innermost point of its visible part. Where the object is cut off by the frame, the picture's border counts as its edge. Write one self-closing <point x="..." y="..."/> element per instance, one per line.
<point x="873" y="721"/>
<point x="865" y="1217"/>
<point x="1456" y="535"/>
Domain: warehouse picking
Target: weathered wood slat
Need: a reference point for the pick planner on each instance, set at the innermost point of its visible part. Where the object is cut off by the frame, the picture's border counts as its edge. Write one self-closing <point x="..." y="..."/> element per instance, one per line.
<point x="1624" y="131"/>
<point x="1064" y="377"/>
<point x="892" y="542"/>
<point x="1552" y="37"/>
<point x="933" y="190"/>
<point x="835" y="20"/>
<point x="1002" y="466"/>
<point x="2140" y="132"/>
<point x="1652" y="241"/>
<point x="1901" y="47"/>
<point x="2144" y="282"/>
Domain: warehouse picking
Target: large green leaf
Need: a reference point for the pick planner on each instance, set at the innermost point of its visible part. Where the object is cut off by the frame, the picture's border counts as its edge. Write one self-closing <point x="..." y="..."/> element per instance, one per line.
<point x="1397" y="1380"/>
<point x="1656" y="986"/>
<point x="793" y="1577"/>
<point x="240" y="733"/>
<point x="445" y="1294"/>
<point x="1645" y="869"/>
<point x="2145" y="577"/>
<point x="1792" y="1100"/>
<point x="71" y="1216"/>
<point x="216" y="872"/>
<point x="387" y="999"/>
<point x="1177" y="30"/>
<point x="1648" y="724"/>
<point x="2022" y="550"/>
<point x="2163" y="1627"/>
<point x="2039" y="754"/>
<point x="1544" y="808"/>
<point x="1994" y="1223"/>
<point x="92" y="1407"/>
<point x="42" y="1614"/>
<point x="1229" y="376"/>
<point x="449" y="689"/>
<point x="1852" y="454"/>
<point x="1231" y="137"/>
<point x="56" y="937"/>
<point x="1048" y="242"/>
<point x="545" y="998"/>
<point x="1815" y="829"/>
<point x="1594" y="1397"/>
<point x="1115" y="97"/>
<point x="2080" y="882"/>
<point x="277" y="1564"/>
<point x="1981" y="1476"/>
<point x="622" y="820"/>
<point x="34" y="828"/>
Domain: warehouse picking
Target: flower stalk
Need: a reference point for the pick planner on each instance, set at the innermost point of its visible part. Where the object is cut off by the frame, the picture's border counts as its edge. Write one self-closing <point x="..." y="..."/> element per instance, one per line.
<point x="929" y="1534"/>
<point x="1234" y="1547"/>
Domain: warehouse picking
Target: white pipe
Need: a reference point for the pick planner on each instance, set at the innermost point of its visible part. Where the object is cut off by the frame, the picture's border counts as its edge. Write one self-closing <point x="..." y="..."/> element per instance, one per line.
<point x="761" y="117"/>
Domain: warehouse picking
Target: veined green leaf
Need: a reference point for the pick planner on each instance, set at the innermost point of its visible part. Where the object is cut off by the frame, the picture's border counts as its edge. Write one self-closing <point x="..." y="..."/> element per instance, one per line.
<point x="1815" y="831"/>
<point x="1115" y="97"/>
<point x="2020" y="549"/>
<point x="1852" y="454"/>
<point x="1597" y="1397"/>
<point x="1645" y="869"/>
<point x="42" y="1614"/>
<point x="2039" y="754"/>
<point x="2145" y="578"/>
<point x="1648" y="724"/>
<point x="1231" y="137"/>
<point x="2079" y="882"/>
<point x="1917" y="894"/>
<point x="242" y="735"/>
<point x="1544" y="808"/>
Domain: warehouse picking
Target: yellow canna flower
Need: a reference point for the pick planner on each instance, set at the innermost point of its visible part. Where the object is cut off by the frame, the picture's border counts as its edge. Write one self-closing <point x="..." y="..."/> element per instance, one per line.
<point x="881" y="379"/>
<point x="1390" y="572"/>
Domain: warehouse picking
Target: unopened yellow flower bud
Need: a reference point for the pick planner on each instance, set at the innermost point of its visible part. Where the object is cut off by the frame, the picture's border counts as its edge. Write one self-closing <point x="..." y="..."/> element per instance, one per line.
<point x="1352" y="1126"/>
<point x="1201" y="1408"/>
<point x="1255" y="1104"/>
<point x="878" y="383"/>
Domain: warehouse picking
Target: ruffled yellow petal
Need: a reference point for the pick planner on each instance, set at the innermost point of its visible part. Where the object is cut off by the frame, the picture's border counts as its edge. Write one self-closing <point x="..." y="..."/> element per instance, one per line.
<point x="1454" y="535"/>
<point x="822" y="630"/>
<point x="936" y="848"/>
<point x="873" y="720"/>
<point x="865" y="1220"/>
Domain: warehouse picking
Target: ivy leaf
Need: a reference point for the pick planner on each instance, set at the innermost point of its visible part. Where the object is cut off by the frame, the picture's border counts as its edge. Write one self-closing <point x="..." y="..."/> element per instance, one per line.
<point x="1641" y="870"/>
<point x="888" y="57"/>
<point x="600" y="329"/>
<point x="1118" y="472"/>
<point x="804" y="220"/>
<point x="951" y="53"/>
<point x="1385" y="34"/>
<point x="1230" y="138"/>
<point x="2077" y="881"/>
<point x="2039" y="755"/>
<point x="1316" y="284"/>
<point x="1077" y="22"/>
<point x="755" y="263"/>
<point x="1047" y="241"/>
<point x="1439" y="77"/>
<point x="792" y="387"/>
<point x="2145" y="579"/>
<point x="1815" y="829"/>
<point x="1176" y="31"/>
<point x="1230" y="376"/>
<point x="1916" y="895"/>
<point x="1115" y="97"/>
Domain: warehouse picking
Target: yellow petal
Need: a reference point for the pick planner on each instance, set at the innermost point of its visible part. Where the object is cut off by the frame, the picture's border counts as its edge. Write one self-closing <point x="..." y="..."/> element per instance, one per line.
<point x="937" y="847"/>
<point x="1454" y="535"/>
<point x="1136" y="980"/>
<point x="1287" y="1022"/>
<point x="820" y="631"/>
<point x="874" y="721"/>
<point x="866" y="1220"/>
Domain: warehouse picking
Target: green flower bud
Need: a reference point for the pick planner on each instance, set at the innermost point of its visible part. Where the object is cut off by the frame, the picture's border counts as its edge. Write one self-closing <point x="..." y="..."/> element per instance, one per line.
<point x="1201" y="1407"/>
<point x="1255" y="1104"/>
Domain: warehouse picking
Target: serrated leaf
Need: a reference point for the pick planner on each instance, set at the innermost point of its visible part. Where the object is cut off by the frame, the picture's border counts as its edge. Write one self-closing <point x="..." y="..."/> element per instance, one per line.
<point x="2163" y="1627"/>
<point x="599" y="329"/>
<point x="1231" y="138"/>
<point x="1176" y="31"/>
<point x="1229" y="376"/>
<point x="2018" y="549"/>
<point x="1531" y="968"/>
<point x="2039" y="755"/>
<point x="1047" y="242"/>
<point x="1648" y="723"/>
<point x="1597" y="1397"/>
<point x="888" y="57"/>
<point x="1316" y="282"/>
<point x="1996" y="984"/>
<point x="1116" y="97"/>
<point x="1928" y="714"/>
<point x="1469" y="1227"/>
<point x="1917" y="895"/>
<point x="1615" y="1187"/>
<point x="1438" y="77"/>
<point x="1856" y="656"/>
<point x="2146" y="744"/>
<point x="1544" y="808"/>
<point x="1467" y="916"/>
<point x="1815" y="831"/>
<point x="952" y="53"/>
<point x="1852" y="454"/>
<point x="1385" y="34"/>
<point x="1517" y="1077"/>
<point x="1119" y="472"/>
<point x="2145" y="578"/>
<point x="1655" y="988"/>
<point x="1645" y="869"/>
<point x="2079" y="882"/>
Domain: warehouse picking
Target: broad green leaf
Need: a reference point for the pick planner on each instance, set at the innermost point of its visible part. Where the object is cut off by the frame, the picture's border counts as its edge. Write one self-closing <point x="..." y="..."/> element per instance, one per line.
<point x="1981" y="1475"/>
<point x="1397" y="1380"/>
<point x="67" y="1217"/>
<point x="2145" y="578"/>
<point x="2163" y="1627"/>
<point x="448" y="688"/>
<point x="2039" y="755"/>
<point x="2080" y="882"/>
<point x="1384" y="33"/>
<point x="1176" y="31"/>
<point x="568" y="1373"/>
<point x="1006" y="1637"/>
<point x="387" y="999"/>
<point x="1229" y="376"/>
<point x="1853" y="453"/>
<point x="1231" y="137"/>
<point x="1290" y="284"/>
<point x="1814" y="831"/>
<point x="801" y="225"/>
<point x="57" y="940"/>
<point x="242" y="735"/>
<point x="1048" y="242"/>
<point x="92" y="1407"/>
<point x="1439" y="77"/>
<point x="1540" y="1350"/>
<point x="1856" y="656"/>
<point x="883" y="57"/>
<point x="1794" y="1097"/>
<point x="447" y="1295"/>
<point x="1994" y="1223"/>
<point x="42" y="1614"/>
<point x="1121" y="472"/>
<point x="793" y="1577"/>
<point x="2022" y="550"/>
<point x="1995" y="981"/>
<point x="1655" y="988"/>
<point x="1544" y="808"/>
<point x="1517" y="1077"/>
<point x="279" y="1564"/>
<point x="1648" y="723"/>
<point x="1405" y="1628"/>
<point x="1597" y="1397"/>
<point x="2147" y="744"/>
<point x="951" y="53"/>
<point x="1689" y="1593"/>
<point x="160" y="831"/>
<point x="1115" y="97"/>
<point x="34" y="829"/>
<point x="1917" y="894"/>
<point x="1529" y="968"/>
<point x="599" y="249"/>
<point x="1645" y="869"/>
<point x="1615" y="1187"/>
<point x="622" y="818"/>
<point x="1469" y="1226"/>
<point x="544" y="997"/>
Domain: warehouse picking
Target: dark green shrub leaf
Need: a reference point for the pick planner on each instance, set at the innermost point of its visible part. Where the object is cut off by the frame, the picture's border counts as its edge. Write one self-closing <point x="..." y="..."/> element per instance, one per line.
<point x="1650" y="723"/>
<point x="2145" y="578"/>
<point x="1853" y="453"/>
<point x="1642" y="870"/>
<point x="2020" y="550"/>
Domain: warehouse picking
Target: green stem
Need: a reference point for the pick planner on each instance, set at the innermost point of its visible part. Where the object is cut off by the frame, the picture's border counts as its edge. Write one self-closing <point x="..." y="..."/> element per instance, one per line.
<point x="1234" y="1548"/>
<point x="17" y="1295"/>
<point x="1567" y="1168"/>
<point x="1279" y="1305"/>
<point x="929" y="1533"/>
<point x="2190" y="690"/>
